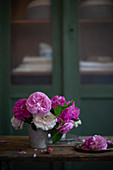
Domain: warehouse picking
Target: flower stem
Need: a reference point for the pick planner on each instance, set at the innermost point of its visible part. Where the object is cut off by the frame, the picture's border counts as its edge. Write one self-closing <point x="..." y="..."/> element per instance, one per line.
<point x="60" y="119"/>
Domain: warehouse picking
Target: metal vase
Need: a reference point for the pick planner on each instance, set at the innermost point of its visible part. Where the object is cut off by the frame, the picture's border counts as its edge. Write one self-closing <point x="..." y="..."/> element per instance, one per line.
<point x="38" y="138"/>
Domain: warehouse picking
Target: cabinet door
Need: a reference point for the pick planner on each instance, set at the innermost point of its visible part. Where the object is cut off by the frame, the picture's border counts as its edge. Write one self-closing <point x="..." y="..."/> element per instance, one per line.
<point x="96" y="42"/>
<point x="30" y="52"/>
<point x="88" y="36"/>
<point x="35" y="46"/>
<point x="96" y="65"/>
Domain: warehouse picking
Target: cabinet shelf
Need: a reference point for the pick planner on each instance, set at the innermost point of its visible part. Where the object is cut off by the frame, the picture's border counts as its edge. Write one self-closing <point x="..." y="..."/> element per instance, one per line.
<point x="96" y="73"/>
<point x="29" y="21"/>
<point x="95" y="21"/>
<point x="30" y="73"/>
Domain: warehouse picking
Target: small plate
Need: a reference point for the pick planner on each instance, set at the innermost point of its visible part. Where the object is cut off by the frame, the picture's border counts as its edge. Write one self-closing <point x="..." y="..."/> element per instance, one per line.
<point x="69" y="139"/>
<point x="78" y="147"/>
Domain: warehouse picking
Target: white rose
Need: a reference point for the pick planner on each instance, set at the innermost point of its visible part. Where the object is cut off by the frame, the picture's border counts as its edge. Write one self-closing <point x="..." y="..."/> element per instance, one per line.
<point x="77" y="123"/>
<point x="17" y="124"/>
<point x="45" y="122"/>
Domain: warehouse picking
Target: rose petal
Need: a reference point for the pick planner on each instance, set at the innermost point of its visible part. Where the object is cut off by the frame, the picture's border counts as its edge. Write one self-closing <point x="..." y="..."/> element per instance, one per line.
<point x="21" y="152"/>
<point x="34" y="155"/>
<point x="3" y="141"/>
<point x="50" y="150"/>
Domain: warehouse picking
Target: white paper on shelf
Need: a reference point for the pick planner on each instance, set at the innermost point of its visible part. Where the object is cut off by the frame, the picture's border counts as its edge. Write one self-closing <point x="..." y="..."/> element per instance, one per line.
<point x="30" y="67"/>
<point x="36" y="59"/>
<point x="95" y="66"/>
<point x="34" y="64"/>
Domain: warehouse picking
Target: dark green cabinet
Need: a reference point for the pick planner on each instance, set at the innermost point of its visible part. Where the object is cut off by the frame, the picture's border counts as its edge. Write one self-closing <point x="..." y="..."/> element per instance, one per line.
<point x="95" y="100"/>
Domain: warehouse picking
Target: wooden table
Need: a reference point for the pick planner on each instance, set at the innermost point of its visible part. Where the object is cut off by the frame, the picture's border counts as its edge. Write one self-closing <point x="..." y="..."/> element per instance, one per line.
<point x="10" y="146"/>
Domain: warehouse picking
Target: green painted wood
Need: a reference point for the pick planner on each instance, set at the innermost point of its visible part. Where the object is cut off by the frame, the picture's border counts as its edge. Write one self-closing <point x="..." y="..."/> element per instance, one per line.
<point x="57" y="46"/>
<point x="31" y="165"/>
<point x="89" y="165"/>
<point x="25" y="91"/>
<point x="4" y="65"/>
<point x="97" y="116"/>
<point x="96" y="91"/>
<point x="0" y="67"/>
<point x="70" y="49"/>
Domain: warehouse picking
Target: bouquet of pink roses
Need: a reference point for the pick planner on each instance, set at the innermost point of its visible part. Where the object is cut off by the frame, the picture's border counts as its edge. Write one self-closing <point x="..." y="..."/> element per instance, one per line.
<point x="42" y="112"/>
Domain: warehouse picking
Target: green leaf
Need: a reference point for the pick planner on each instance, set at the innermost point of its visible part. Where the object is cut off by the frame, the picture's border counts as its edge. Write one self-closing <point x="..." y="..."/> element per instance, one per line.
<point x="58" y="110"/>
<point x="57" y="137"/>
<point x="33" y="126"/>
<point x="68" y="105"/>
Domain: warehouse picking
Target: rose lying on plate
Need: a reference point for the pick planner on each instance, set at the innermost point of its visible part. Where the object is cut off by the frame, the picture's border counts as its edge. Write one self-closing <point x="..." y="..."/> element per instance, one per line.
<point x="95" y="142"/>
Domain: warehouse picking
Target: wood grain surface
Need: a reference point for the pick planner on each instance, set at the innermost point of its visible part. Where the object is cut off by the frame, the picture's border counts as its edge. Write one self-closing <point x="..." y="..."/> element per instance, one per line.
<point x="11" y="145"/>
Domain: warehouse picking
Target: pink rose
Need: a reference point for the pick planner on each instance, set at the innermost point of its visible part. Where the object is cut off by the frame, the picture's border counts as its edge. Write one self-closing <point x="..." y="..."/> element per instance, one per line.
<point x="66" y="127"/>
<point x="57" y="100"/>
<point x="69" y="113"/>
<point x="38" y="103"/>
<point x="20" y="111"/>
<point x="17" y="124"/>
<point x="95" y="142"/>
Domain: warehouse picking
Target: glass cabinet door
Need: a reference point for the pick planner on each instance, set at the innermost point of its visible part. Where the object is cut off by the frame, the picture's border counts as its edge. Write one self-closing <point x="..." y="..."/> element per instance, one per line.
<point x="96" y="41"/>
<point x="31" y="42"/>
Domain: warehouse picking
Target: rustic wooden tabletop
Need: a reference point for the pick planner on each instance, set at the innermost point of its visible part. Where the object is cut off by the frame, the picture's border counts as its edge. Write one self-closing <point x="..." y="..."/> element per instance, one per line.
<point x="17" y="148"/>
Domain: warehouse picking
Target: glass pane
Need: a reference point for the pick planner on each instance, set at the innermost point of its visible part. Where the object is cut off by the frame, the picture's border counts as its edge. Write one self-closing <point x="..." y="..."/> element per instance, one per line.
<point x="31" y="42"/>
<point x="96" y="41"/>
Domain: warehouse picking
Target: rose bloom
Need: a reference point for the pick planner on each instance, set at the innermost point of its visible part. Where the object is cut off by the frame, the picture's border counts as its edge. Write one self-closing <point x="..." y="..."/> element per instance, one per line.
<point x="45" y="122"/>
<point x="69" y="113"/>
<point x="77" y="123"/>
<point x="57" y="100"/>
<point x="39" y="104"/>
<point x="20" y="111"/>
<point x="66" y="127"/>
<point x="17" y="124"/>
<point x="95" y="142"/>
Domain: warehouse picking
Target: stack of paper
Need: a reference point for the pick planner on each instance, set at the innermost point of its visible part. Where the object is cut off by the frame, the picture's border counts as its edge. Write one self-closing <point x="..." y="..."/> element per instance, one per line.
<point x="35" y="64"/>
<point x="95" y="66"/>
